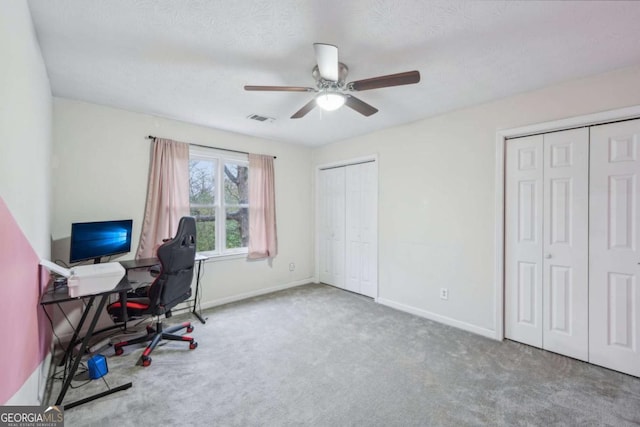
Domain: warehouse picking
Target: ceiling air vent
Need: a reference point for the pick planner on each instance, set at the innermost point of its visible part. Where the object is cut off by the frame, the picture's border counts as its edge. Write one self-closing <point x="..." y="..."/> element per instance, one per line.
<point x="260" y="118"/>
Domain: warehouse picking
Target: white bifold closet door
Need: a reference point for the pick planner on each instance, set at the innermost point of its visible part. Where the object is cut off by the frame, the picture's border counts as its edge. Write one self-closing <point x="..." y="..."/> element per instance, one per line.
<point x="331" y="198"/>
<point x="348" y="227"/>
<point x="546" y="241"/>
<point x="614" y="269"/>
<point x="361" y="232"/>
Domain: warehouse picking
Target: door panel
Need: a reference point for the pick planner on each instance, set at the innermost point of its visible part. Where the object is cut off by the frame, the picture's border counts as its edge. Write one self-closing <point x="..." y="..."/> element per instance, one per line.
<point x="560" y="300"/>
<point x="369" y="229"/>
<point x="614" y="264"/>
<point x="523" y="240"/>
<point x="526" y="294"/>
<point x="332" y="220"/>
<point x="565" y="265"/>
<point x="361" y="229"/>
<point x="353" y="227"/>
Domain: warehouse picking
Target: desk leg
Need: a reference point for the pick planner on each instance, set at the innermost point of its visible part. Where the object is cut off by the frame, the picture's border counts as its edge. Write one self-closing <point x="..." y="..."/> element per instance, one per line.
<point x="195" y="301"/>
<point x="68" y="355"/>
<point x="83" y="348"/>
<point x="76" y="332"/>
<point x="98" y="396"/>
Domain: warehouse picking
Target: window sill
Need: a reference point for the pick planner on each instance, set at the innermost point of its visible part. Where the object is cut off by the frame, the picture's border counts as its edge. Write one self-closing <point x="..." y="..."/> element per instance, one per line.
<point x="213" y="257"/>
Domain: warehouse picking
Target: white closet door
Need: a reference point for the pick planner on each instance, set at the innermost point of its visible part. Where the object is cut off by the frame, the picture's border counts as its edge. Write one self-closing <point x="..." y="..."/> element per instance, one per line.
<point x="546" y="240"/>
<point x="332" y="226"/>
<point x="565" y="290"/>
<point x="614" y="267"/>
<point x="361" y="237"/>
<point x="523" y="240"/>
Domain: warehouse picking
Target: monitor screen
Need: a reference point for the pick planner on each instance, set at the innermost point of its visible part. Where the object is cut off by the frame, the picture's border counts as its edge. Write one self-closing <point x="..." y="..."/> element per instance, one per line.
<point x="93" y="240"/>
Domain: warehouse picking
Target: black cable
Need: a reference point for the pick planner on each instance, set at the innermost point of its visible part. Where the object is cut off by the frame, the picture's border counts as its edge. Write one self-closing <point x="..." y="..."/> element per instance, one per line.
<point x="104" y="380"/>
<point x="201" y="272"/>
<point x="66" y="364"/>
<point x="59" y="341"/>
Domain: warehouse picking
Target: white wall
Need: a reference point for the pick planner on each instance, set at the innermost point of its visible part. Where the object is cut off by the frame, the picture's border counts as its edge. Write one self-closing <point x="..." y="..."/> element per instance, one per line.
<point x="437" y="195"/>
<point x="25" y="125"/>
<point x="101" y="164"/>
<point x="25" y="147"/>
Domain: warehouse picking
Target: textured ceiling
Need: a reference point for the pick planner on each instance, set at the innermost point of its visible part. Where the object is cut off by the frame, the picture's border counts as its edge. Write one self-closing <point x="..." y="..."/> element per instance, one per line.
<point x="189" y="60"/>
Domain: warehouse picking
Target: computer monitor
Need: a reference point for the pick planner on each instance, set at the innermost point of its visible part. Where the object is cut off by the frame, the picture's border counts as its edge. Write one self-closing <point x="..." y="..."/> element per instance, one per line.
<point x="94" y="240"/>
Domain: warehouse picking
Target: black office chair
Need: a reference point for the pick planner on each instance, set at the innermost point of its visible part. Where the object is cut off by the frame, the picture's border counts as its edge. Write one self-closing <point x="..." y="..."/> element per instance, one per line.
<point x="171" y="287"/>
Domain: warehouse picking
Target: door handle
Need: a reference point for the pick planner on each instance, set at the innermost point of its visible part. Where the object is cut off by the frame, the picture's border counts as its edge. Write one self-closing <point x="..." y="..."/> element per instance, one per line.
<point x="547" y="256"/>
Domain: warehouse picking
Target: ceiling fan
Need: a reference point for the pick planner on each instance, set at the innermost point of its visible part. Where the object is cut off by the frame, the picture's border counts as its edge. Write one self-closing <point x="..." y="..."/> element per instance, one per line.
<point x="331" y="89"/>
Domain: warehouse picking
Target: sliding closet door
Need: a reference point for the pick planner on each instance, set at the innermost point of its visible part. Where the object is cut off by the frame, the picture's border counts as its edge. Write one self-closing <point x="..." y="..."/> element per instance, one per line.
<point x="523" y="240"/>
<point x="331" y="200"/>
<point x="614" y="268"/>
<point x="565" y="290"/>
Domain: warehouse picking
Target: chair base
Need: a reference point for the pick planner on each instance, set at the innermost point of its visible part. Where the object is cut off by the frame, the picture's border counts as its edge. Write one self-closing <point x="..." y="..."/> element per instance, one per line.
<point x="155" y="335"/>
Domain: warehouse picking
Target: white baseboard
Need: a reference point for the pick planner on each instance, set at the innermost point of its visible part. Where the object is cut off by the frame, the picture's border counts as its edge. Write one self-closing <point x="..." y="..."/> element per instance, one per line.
<point x="440" y="319"/>
<point x="245" y="295"/>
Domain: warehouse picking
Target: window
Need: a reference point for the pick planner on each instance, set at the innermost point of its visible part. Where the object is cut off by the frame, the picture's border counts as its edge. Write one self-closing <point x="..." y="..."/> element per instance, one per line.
<point x="219" y="199"/>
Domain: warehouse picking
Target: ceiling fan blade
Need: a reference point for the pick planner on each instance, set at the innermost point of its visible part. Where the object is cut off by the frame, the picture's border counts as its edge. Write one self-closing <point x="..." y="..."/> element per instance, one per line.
<point x="360" y="106"/>
<point x="406" y="78"/>
<point x="327" y="60"/>
<point x="280" y="88"/>
<point x="304" y="110"/>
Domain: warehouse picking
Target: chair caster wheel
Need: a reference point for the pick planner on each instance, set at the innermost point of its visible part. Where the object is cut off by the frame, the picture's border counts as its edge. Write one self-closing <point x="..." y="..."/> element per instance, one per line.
<point x="146" y="361"/>
<point x="119" y="351"/>
<point x="189" y="329"/>
<point x="193" y="345"/>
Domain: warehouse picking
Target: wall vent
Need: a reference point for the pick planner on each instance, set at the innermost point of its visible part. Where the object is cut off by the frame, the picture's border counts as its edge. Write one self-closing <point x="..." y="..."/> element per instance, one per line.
<point x="260" y="118"/>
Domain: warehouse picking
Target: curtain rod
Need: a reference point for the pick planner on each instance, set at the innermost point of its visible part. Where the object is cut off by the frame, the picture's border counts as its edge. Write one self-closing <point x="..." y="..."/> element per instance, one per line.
<point x="208" y="146"/>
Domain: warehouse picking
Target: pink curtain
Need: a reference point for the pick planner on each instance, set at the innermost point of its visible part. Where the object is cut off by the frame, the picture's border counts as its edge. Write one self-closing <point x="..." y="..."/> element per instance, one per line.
<point x="262" y="208"/>
<point x="167" y="197"/>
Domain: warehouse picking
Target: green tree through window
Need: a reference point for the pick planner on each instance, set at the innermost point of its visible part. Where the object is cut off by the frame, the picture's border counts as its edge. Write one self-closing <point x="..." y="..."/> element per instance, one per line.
<point x="236" y="195"/>
<point x="221" y="212"/>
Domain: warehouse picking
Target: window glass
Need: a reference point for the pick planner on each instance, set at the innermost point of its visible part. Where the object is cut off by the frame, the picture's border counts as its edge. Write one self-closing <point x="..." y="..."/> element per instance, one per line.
<point x="202" y="196"/>
<point x="236" y="197"/>
<point x="227" y="203"/>
<point x="237" y="227"/>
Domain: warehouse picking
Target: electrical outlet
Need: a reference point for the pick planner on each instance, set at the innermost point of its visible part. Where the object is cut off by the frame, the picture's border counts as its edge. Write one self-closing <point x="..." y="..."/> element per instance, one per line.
<point x="444" y="293"/>
<point x="292" y="266"/>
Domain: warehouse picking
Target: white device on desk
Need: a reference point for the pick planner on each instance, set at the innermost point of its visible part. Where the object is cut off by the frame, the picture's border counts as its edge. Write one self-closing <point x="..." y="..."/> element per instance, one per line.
<point x="88" y="279"/>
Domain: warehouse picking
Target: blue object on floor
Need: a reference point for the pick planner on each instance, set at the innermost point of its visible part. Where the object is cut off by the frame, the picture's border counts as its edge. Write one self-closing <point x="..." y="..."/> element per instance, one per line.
<point x="97" y="367"/>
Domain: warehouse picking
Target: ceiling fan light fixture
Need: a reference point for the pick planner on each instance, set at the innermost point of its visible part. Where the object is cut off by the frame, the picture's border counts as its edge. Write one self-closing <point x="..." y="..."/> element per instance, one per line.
<point x="330" y="101"/>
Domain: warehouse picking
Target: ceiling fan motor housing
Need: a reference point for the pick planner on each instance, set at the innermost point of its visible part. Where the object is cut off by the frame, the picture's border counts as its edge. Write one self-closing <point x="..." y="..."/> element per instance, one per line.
<point x="343" y="71"/>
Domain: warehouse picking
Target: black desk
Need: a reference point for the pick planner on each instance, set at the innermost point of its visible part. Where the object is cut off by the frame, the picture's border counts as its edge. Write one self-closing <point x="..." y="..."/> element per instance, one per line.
<point x="61" y="295"/>
<point x="150" y="262"/>
<point x="139" y="263"/>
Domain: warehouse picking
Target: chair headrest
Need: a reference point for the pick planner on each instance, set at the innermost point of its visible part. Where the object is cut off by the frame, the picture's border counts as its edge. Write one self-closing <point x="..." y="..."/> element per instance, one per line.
<point x="179" y="252"/>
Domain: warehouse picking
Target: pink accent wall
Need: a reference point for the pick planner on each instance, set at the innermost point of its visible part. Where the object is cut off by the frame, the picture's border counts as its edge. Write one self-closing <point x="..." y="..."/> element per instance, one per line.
<point x="25" y="334"/>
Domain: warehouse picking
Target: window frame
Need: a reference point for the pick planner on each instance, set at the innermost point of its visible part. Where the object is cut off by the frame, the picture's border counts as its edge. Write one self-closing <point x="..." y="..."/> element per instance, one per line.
<point x="219" y="206"/>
